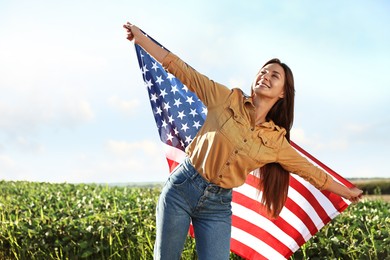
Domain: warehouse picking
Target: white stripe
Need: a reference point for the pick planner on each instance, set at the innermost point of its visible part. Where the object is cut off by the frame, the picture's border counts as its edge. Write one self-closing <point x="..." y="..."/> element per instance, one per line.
<point x="306" y="206"/>
<point x="297" y="223"/>
<point x="325" y="203"/>
<point x="286" y="214"/>
<point x="174" y="154"/>
<point x="264" y="223"/>
<point x="256" y="244"/>
<point x="248" y="191"/>
<point x="251" y="241"/>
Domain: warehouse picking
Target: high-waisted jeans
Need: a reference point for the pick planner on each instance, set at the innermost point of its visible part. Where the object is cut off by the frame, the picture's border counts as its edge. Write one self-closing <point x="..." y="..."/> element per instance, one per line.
<point x="186" y="197"/>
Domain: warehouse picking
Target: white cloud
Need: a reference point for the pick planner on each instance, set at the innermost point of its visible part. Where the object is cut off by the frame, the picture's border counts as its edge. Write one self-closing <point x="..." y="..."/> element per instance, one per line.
<point x="317" y="142"/>
<point x="6" y="162"/>
<point x="27" y="145"/>
<point x="128" y="107"/>
<point x="37" y="112"/>
<point x="125" y="149"/>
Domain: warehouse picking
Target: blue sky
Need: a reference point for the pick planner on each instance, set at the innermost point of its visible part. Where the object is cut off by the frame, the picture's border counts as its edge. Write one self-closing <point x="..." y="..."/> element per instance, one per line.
<point x="74" y="108"/>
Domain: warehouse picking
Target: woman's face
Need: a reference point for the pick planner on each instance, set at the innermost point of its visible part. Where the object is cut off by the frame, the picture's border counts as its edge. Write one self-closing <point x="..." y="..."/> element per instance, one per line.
<point x="270" y="82"/>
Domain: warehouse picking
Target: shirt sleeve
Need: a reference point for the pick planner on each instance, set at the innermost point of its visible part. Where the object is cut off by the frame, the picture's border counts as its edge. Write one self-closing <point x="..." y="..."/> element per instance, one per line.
<point x="294" y="162"/>
<point x="209" y="92"/>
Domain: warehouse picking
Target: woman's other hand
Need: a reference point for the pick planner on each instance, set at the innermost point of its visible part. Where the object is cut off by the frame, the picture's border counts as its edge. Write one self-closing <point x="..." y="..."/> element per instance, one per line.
<point x="133" y="32"/>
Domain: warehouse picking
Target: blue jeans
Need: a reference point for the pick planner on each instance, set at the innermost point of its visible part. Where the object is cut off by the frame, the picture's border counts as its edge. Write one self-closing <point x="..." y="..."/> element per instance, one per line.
<point x="187" y="196"/>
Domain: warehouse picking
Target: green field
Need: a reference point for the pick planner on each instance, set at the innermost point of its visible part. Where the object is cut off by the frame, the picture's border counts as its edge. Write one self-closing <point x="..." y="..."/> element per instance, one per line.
<point x="69" y="221"/>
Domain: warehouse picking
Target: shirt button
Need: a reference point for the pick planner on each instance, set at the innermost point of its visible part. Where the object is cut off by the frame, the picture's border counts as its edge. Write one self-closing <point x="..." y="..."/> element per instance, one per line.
<point x="244" y="140"/>
<point x="236" y="151"/>
<point x="220" y="176"/>
<point x="252" y="129"/>
<point x="228" y="163"/>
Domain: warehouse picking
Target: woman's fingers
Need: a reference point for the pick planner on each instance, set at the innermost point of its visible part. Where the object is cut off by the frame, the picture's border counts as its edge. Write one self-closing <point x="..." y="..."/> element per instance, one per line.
<point x="130" y="35"/>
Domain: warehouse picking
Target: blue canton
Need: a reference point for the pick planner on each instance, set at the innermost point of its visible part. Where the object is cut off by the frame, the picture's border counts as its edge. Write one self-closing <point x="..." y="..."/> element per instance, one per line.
<point x="178" y="112"/>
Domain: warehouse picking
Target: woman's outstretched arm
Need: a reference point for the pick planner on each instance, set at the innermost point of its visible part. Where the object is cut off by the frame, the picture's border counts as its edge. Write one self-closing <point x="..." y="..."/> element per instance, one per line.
<point x="353" y="194"/>
<point x="135" y="34"/>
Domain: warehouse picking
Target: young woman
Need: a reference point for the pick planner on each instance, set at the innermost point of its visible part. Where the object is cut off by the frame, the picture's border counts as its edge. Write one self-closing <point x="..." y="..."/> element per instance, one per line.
<point x="241" y="134"/>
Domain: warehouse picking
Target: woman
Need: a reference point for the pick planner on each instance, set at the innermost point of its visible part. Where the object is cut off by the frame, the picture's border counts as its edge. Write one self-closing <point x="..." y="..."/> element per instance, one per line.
<point x="241" y="134"/>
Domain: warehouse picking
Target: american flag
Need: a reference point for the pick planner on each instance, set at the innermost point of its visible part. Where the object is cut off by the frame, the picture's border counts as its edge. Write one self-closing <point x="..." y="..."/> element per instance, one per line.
<point x="179" y="114"/>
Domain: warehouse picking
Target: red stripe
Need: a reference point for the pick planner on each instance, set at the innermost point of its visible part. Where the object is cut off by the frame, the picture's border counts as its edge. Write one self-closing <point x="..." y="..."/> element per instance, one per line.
<point x="257" y="231"/>
<point x="261" y="234"/>
<point x="171" y="164"/>
<point x="291" y="205"/>
<point x="244" y="251"/>
<point x="322" y="165"/>
<point x="252" y="180"/>
<point x="336" y="200"/>
<point x="304" y="217"/>
<point x="294" y="208"/>
<point x="299" y="187"/>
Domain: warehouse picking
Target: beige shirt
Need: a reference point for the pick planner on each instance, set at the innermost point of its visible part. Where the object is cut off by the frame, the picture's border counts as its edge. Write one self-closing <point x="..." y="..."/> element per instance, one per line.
<point x="229" y="145"/>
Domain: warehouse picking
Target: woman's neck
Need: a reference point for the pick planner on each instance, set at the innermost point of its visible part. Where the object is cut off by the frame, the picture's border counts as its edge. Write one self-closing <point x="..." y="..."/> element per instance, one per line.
<point x="262" y="107"/>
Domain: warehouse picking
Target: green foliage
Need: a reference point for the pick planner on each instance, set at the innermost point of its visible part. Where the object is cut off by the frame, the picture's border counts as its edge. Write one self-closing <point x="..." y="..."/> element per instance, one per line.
<point x="360" y="232"/>
<point x="68" y="221"/>
<point x="65" y="221"/>
<point x="374" y="187"/>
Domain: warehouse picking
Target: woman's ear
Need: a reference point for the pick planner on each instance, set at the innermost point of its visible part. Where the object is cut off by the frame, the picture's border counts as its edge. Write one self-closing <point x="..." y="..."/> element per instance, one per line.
<point x="281" y="94"/>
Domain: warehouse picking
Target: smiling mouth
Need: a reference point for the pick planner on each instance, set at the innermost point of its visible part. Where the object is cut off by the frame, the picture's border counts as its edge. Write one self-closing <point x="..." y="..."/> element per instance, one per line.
<point x="262" y="84"/>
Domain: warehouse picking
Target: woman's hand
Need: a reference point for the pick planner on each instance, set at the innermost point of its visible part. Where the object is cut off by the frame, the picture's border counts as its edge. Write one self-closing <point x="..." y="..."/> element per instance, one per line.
<point x="133" y="32"/>
<point x="138" y="37"/>
<point x="355" y="194"/>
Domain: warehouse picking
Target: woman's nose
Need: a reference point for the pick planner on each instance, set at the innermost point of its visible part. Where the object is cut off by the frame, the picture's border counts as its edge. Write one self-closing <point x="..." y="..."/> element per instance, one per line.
<point x="265" y="76"/>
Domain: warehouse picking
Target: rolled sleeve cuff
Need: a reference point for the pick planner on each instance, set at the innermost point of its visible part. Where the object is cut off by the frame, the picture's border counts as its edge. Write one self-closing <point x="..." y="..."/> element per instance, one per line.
<point x="168" y="60"/>
<point x="327" y="182"/>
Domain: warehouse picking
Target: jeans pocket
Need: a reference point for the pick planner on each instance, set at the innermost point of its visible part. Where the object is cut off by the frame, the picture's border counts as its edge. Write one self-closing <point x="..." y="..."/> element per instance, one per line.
<point x="226" y="199"/>
<point x="178" y="177"/>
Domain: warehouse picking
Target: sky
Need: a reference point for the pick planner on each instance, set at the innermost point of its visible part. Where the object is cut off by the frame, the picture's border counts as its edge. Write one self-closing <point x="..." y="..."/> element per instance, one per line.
<point x="74" y="108"/>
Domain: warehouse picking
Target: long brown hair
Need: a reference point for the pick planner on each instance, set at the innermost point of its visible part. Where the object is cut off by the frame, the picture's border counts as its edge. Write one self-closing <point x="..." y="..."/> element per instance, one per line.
<point x="274" y="180"/>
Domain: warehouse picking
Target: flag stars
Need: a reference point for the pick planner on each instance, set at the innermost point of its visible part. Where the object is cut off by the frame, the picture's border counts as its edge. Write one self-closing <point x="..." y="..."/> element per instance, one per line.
<point x="154" y="97"/>
<point x="177" y="111"/>
<point x="149" y="84"/>
<point x="188" y="139"/>
<point x="184" y="127"/>
<point x="163" y="93"/>
<point x="166" y="106"/>
<point x="177" y="102"/>
<point x="204" y="111"/>
<point x="193" y="112"/>
<point x="197" y="124"/>
<point x="158" y="111"/>
<point x="181" y="115"/>
<point x="170" y="137"/>
<point x="159" y="80"/>
<point x="190" y="100"/>
<point x="174" y="89"/>
<point x="144" y="69"/>
<point x="155" y="66"/>
<point x="164" y="124"/>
